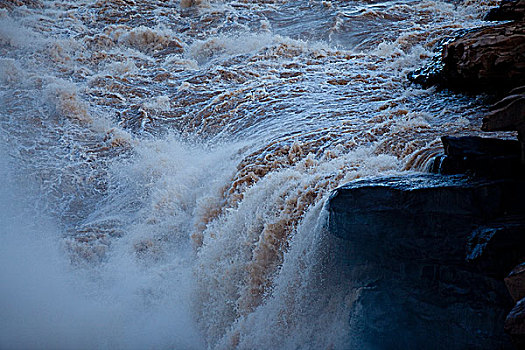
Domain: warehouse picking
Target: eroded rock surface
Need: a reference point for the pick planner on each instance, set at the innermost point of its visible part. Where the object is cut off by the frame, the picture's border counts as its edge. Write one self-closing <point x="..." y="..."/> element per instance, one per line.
<point x="507" y="115"/>
<point x="489" y="58"/>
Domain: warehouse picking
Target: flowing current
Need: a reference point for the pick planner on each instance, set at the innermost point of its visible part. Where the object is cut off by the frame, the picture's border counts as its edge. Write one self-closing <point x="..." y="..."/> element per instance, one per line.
<point x="165" y="163"/>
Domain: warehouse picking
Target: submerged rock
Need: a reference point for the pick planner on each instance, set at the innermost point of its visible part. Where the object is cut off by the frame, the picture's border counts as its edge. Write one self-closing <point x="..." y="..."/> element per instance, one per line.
<point x="432" y="73"/>
<point x="401" y="244"/>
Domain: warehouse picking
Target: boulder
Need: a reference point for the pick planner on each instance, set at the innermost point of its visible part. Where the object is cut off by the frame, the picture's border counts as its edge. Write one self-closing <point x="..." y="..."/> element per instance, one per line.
<point x="515" y="324"/>
<point x="400" y="245"/>
<point x="515" y="282"/>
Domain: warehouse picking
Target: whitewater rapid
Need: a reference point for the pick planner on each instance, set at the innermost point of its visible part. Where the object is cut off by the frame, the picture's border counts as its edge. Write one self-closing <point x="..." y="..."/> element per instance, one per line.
<point x="165" y="163"/>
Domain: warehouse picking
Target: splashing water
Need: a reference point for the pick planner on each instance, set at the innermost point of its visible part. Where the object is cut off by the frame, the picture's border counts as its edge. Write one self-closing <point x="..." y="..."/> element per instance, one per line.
<point x="166" y="163"/>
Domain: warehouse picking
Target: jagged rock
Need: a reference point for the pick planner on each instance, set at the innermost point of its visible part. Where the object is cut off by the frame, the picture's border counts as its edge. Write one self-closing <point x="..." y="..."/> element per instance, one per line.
<point x="400" y="243"/>
<point x="515" y="282"/>
<point x="515" y="324"/>
<point x="508" y="10"/>
<point x="488" y="58"/>
<point x="479" y="156"/>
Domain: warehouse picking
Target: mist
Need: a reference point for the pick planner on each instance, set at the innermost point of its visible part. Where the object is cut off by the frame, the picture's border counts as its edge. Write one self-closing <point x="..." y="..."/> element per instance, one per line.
<point x="47" y="303"/>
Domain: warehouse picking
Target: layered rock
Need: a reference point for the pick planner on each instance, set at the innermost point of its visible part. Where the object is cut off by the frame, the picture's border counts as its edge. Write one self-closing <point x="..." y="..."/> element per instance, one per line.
<point x="489" y="58"/>
<point x="406" y="247"/>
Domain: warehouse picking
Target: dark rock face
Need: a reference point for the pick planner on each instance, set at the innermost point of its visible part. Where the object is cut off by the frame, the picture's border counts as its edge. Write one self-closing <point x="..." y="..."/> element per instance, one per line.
<point x="405" y="246"/>
<point x="509" y="10"/>
<point x="474" y="146"/>
<point x="509" y="115"/>
<point x="497" y="247"/>
<point x="506" y="115"/>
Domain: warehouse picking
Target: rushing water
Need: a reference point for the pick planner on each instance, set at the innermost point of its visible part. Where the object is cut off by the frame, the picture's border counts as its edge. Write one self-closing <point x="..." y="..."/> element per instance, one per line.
<point x="165" y="163"/>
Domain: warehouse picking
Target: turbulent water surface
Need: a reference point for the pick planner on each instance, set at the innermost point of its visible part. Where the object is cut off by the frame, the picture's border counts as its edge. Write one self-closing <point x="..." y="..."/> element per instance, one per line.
<point x="165" y="163"/>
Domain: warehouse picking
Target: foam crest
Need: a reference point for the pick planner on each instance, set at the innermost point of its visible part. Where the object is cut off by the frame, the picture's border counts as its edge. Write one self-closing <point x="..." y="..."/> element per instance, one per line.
<point x="67" y="103"/>
<point x="147" y="39"/>
<point x="18" y="36"/>
<point x="204" y="50"/>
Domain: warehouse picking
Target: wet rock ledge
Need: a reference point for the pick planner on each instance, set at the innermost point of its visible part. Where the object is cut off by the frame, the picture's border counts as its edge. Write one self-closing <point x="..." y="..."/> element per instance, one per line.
<point x="437" y="261"/>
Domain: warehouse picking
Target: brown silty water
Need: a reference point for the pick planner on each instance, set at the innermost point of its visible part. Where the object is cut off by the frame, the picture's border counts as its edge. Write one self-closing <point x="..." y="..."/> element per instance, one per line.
<point x="217" y="129"/>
